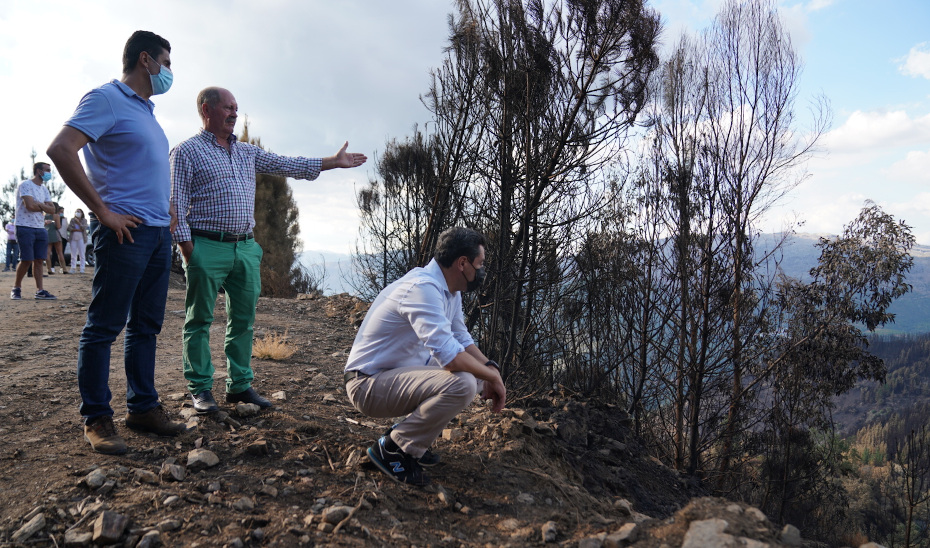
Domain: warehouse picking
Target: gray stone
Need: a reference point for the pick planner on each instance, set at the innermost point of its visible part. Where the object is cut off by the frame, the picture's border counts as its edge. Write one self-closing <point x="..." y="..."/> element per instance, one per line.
<point x="150" y="539"/>
<point x="172" y="472"/>
<point x="335" y="514"/>
<point x="280" y="396"/>
<point x="95" y="479"/>
<point x="269" y="491"/>
<point x="31" y="527"/>
<point x="198" y="459"/>
<point x="756" y="514"/>
<point x="107" y="487"/>
<point x="247" y="409"/>
<point x="525" y="498"/>
<point x="235" y="543"/>
<point x="169" y="501"/>
<point x="109" y="527"/>
<point x="708" y="532"/>
<point x="621" y="537"/>
<point x="790" y="535"/>
<point x="244" y="504"/>
<point x="168" y="525"/>
<point x="623" y="507"/>
<point x="549" y="531"/>
<point x="144" y="476"/>
<point x="75" y="538"/>
<point x="591" y="542"/>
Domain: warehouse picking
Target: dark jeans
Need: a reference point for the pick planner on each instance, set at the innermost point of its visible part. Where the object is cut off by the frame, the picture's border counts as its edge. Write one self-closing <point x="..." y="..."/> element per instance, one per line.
<point x="12" y="254"/>
<point x="130" y="288"/>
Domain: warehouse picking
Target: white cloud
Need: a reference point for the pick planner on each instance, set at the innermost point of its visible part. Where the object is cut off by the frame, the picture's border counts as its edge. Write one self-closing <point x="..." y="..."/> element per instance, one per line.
<point x="816" y="5"/>
<point x="868" y="132"/>
<point x="917" y="61"/>
<point x="914" y="168"/>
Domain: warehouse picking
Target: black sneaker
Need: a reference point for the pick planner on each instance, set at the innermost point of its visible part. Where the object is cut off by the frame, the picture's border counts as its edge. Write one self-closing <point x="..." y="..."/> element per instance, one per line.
<point x="398" y="465"/>
<point x="43" y="295"/>
<point x="428" y="459"/>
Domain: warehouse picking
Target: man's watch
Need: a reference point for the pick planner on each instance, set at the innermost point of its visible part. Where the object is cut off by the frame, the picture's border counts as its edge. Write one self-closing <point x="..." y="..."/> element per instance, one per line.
<point x="493" y="364"/>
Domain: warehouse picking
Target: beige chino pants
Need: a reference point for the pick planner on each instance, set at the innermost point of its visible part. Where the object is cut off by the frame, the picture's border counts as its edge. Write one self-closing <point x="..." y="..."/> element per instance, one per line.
<point x="431" y="395"/>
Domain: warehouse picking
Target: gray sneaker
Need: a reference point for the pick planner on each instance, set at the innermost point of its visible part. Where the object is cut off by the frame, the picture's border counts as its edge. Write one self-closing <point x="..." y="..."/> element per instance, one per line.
<point x="44" y="295"/>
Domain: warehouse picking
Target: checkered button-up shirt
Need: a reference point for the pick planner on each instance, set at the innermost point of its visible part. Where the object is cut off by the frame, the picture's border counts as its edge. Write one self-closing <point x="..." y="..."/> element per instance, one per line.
<point x="214" y="189"/>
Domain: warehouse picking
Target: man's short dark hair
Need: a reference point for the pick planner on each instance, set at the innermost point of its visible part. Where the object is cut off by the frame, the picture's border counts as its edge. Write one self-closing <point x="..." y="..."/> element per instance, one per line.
<point x="39" y="166"/>
<point x="209" y="96"/>
<point x="142" y="40"/>
<point x="456" y="242"/>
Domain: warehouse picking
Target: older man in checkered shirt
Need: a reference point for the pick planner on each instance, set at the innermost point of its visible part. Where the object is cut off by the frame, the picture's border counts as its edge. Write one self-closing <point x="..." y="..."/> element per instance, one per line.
<point x="213" y="191"/>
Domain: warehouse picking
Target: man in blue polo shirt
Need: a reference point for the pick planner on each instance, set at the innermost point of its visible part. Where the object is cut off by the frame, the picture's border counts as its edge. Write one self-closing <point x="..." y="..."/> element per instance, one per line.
<point x="127" y="185"/>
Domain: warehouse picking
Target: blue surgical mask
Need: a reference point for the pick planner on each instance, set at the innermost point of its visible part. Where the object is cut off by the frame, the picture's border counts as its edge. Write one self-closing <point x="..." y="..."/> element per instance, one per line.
<point x="46" y="176"/>
<point x="161" y="82"/>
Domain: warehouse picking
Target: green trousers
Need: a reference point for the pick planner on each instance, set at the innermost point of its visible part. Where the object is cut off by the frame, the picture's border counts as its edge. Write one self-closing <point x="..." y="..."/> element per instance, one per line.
<point x="234" y="266"/>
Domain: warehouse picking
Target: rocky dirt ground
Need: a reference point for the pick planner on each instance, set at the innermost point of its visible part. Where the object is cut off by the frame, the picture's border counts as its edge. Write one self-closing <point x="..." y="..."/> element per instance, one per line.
<point x="547" y="470"/>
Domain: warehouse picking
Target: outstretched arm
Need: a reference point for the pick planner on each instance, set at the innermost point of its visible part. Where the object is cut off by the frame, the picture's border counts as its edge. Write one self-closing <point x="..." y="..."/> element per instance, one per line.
<point x="344" y="159"/>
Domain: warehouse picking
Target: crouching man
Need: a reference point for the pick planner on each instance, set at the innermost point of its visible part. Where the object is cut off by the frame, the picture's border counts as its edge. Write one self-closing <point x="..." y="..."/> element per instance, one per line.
<point x="413" y="356"/>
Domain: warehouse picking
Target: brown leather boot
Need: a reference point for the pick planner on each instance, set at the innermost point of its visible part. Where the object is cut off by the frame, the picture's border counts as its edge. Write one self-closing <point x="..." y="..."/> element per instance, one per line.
<point x="155" y="421"/>
<point x="101" y="433"/>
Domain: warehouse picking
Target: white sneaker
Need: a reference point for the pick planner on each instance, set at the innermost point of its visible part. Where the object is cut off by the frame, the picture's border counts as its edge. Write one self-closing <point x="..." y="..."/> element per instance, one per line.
<point x="72" y="271"/>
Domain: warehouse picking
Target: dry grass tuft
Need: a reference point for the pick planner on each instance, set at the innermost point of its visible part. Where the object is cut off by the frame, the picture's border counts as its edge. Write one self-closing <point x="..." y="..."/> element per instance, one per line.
<point x="273" y="347"/>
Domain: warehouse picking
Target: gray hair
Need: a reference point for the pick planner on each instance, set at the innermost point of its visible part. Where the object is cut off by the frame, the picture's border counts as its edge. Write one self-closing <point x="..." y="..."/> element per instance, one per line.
<point x="209" y="96"/>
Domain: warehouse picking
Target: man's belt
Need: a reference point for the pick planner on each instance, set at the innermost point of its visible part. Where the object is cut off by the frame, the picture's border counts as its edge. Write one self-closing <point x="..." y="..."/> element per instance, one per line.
<point x="350" y="375"/>
<point x="221" y="236"/>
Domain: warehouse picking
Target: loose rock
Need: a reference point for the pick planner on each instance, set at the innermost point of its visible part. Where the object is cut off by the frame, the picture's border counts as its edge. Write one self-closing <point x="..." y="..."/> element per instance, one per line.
<point x="144" y="476"/>
<point x="247" y="409"/>
<point x="31" y="527"/>
<point x="95" y="479"/>
<point x="199" y="459"/>
<point x="109" y="527"/>
<point x="790" y="535"/>
<point x="453" y="434"/>
<point x="244" y="504"/>
<point x="78" y="538"/>
<point x="335" y="514"/>
<point x="172" y="472"/>
<point x="549" y="532"/>
<point x="150" y="539"/>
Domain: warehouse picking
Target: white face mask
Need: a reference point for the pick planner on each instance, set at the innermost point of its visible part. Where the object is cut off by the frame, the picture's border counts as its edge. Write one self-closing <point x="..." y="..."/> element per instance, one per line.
<point x="78" y="214"/>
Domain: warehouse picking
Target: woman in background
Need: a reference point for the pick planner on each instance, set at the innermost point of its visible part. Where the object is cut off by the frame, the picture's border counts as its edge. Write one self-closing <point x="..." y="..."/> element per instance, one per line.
<point x="77" y="228"/>
<point x="52" y="224"/>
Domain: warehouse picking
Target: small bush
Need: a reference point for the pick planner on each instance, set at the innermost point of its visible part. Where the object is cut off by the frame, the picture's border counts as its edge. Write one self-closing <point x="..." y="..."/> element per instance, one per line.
<point x="273" y="347"/>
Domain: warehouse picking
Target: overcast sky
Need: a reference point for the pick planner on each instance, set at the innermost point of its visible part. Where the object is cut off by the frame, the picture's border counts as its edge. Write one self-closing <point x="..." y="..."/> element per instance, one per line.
<point x="311" y="74"/>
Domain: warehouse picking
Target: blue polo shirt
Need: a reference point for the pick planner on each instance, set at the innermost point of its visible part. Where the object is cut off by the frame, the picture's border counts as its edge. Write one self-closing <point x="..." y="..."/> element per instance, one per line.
<point x="127" y="156"/>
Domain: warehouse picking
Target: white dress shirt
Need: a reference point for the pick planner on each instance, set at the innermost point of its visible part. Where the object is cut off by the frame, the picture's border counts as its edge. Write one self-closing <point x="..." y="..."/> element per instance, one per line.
<point x="415" y="321"/>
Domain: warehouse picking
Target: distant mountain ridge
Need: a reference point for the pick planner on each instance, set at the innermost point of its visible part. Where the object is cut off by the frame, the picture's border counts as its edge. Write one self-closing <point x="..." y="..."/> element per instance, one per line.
<point x="798" y="256"/>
